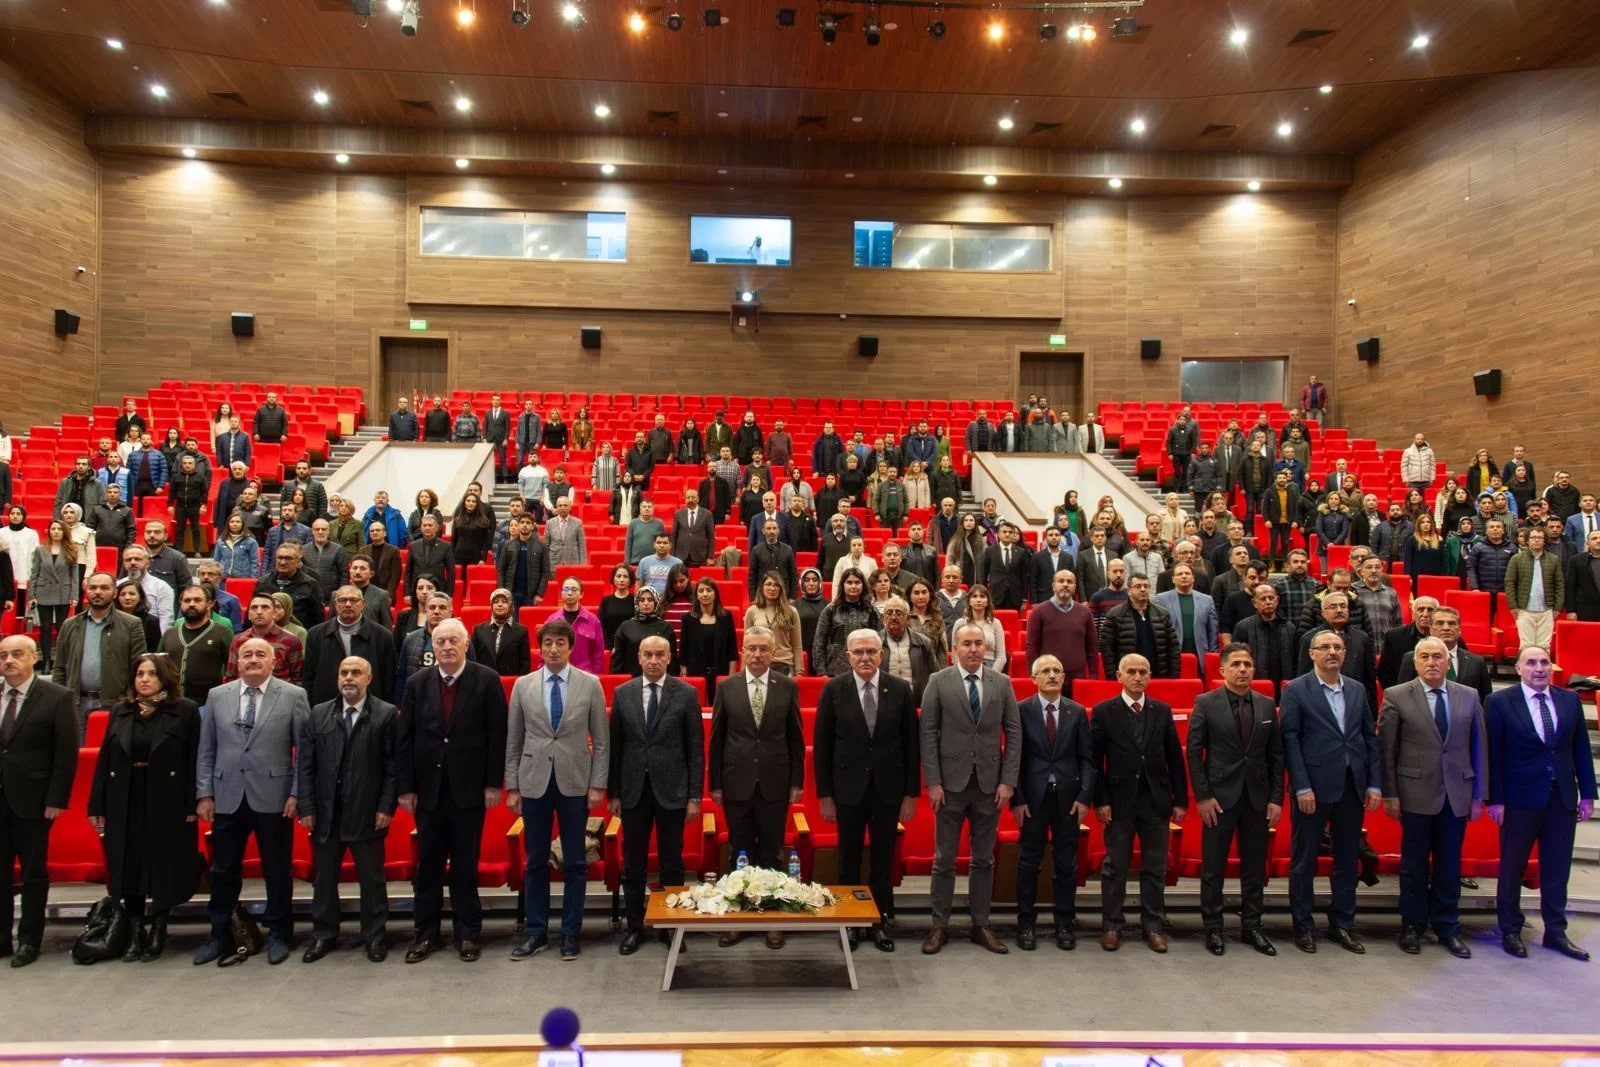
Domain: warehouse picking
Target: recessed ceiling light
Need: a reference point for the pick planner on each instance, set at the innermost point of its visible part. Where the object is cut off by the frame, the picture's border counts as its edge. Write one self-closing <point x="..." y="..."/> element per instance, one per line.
<point x="990" y="179"/>
<point x="571" y="13"/>
<point x="1239" y="36"/>
<point x="636" y="22"/>
<point x="857" y="118"/>
<point x="608" y="168"/>
<point x="341" y="158"/>
<point x="465" y="16"/>
<point x="722" y="170"/>
<point x="1006" y="123"/>
<point x="1115" y="183"/>
<point x="849" y="174"/>
<point x="722" y="114"/>
<point x="601" y="111"/>
<point x="997" y="31"/>
<point x="1325" y="89"/>
<point x="1285" y="129"/>
<point x="1137" y="126"/>
<point x="158" y="91"/>
<point x="1254" y="186"/>
<point x="463" y="164"/>
<point x="189" y="153"/>
<point x="394" y="7"/>
<point x="1420" y="41"/>
<point x="114" y="44"/>
<point x="463" y="104"/>
<point x="320" y="98"/>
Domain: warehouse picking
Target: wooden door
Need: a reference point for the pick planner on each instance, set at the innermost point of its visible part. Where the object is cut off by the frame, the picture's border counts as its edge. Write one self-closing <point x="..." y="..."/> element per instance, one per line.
<point x="413" y="364"/>
<point x="1055" y="375"/>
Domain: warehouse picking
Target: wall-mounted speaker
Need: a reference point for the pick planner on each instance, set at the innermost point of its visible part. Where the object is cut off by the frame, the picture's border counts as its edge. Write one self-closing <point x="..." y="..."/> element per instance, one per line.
<point x="244" y="324"/>
<point x="1150" y="348"/>
<point x="589" y="336"/>
<point x="867" y="344"/>
<point x="1367" y="351"/>
<point x="66" y="321"/>
<point x="1486" y="383"/>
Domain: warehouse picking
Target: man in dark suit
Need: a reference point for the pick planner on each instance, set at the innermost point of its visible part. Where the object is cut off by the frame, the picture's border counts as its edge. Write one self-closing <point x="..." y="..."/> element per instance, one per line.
<point x="497" y="431"/>
<point x="1047" y="561"/>
<point x="502" y="643"/>
<point x="1398" y="641"/>
<point x="1055" y="786"/>
<point x="1541" y="785"/>
<point x="1463" y="666"/>
<point x="771" y="554"/>
<point x="757" y="762"/>
<point x="346" y="798"/>
<point x="430" y="557"/>
<point x="1093" y="560"/>
<point x="38" y="760"/>
<point x="657" y="776"/>
<point x="348" y="633"/>
<point x="1435" y="778"/>
<point x="1007" y="569"/>
<point x="1358" y="662"/>
<point x="1583" y="580"/>
<point x="1236" y="767"/>
<point x="866" y="749"/>
<point x="1140" y="782"/>
<point x="451" y="761"/>
<point x="1330" y="743"/>
<point x="694" y="532"/>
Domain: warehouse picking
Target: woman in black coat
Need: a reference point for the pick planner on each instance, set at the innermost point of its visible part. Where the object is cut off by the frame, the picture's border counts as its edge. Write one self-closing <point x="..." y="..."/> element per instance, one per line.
<point x="143" y="802"/>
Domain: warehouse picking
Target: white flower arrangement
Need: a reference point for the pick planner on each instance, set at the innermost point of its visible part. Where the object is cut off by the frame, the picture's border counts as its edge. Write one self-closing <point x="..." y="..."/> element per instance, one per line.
<point x="752" y="889"/>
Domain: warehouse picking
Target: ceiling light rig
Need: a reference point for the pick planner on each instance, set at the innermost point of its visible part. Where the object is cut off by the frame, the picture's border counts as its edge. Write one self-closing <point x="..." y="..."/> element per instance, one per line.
<point x="572" y="14"/>
<point x="674" y="18"/>
<point x="936" y="26"/>
<point x="466" y="13"/>
<point x="637" y="22"/>
<point x="521" y="14"/>
<point x="871" y="27"/>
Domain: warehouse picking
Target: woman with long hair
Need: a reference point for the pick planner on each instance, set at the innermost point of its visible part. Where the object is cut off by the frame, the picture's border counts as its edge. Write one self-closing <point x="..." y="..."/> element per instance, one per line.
<point x="1414" y="506"/>
<point x="706" y="645"/>
<point x="236" y="550"/>
<point x="171" y="447"/>
<point x="19" y="542"/>
<point x="617" y="606"/>
<point x="750" y="499"/>
<point x="132" y="601"/>
<point x="678" y="601"/>
<point x="1458" y="507"/>
<point x="1424" y="551"/>
<point x="919" y="492"/>
<point x="944" y="483"/>
<point x="691" y="447"/>
<point x="980" y="610"/>
<point x="1480" y="472"/>
<point x="582" y="430"/>
<point x="926" y="618"/>
<point x="219" y="420"/>
<point x="54" y="573"/>
<point x="851" y="610"/>
<point x="555" y="433"/>
<point x="427" y="504"/>
<point x="142" y="802"/>
<point x="1332" y="526"/>
<point x="471" y="533"/>
<point x="853" y="480"/>
<point x="965" y="550"/>
<point x="771" y="608"/>
<point x="414" y="616"/>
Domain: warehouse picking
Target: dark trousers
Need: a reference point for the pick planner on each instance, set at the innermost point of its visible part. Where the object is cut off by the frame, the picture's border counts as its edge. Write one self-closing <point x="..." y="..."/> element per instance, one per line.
<point x="1430" y="870"/>
<point x="448" y="835"/>
<point x="1180" y="468"/>
<point x="1252" y="507"/>
<point x="755" y="827"/>
<point x="1248" y="824"/>
<point x="275" y="844"/>
<point x="1278" y="535"/>
<point x="51" y="616"/>
<point x="567" y="815"/>
<point x="877" y="819"/>
<point x="502" y="461"/>
<point x="1343" y="820"/>
<point x="329" y="859"/>
<point x="1150" y="825"/>
<point x="637" y="823"/>
<point x="1054" y="820"/>
<point x="188" y="518"/>
<point x="1553" y="828"/>
<point x="24" y="841"/>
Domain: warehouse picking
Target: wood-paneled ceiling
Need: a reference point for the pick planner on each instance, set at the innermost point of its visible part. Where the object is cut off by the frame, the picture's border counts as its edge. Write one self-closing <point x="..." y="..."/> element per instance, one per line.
<point x="248" y="63"/>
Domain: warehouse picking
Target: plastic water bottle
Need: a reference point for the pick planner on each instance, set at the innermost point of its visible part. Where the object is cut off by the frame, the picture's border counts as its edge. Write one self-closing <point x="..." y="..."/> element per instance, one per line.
<point x="742" y="862"/>
<point x="794" y="864"/>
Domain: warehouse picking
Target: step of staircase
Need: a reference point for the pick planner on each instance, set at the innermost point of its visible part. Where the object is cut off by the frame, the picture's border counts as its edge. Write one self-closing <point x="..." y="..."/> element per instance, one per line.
<point x="1128" y="465"/>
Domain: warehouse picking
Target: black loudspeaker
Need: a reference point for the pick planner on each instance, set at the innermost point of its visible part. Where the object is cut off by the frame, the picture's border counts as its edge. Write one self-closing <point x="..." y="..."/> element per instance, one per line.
<point x="66" y="321"/>
<point x="1150" y="348"/>
<point x="1486" y="383"/>
<point x="244" y="324"/>
<point x="1367" y="351"/>
<point x="589" y="336"/>
<point x="867" y="344"/>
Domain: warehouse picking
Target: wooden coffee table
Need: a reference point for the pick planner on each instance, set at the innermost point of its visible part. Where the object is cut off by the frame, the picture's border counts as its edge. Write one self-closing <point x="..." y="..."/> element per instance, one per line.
<point x="840" y="916"/>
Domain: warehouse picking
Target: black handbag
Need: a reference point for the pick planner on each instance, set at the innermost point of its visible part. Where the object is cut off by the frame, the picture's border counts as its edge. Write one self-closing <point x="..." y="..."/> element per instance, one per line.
<point x="105" y="933"/>
<point x="246" y="934"/>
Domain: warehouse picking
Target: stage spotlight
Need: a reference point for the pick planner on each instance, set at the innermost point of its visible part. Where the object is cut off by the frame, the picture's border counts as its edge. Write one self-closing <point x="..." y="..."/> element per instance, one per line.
<point x="936" y="29"/>
<point x="872" y="28"/>
<point x="829" y="27"/>
<point x="1047" y="31"/>
<point x="675" y="21"/>
<point x="520" y="15"/>
<point x="786" y="16"/>
<point x="409" y="15"/>
<point x="745" y="296"/>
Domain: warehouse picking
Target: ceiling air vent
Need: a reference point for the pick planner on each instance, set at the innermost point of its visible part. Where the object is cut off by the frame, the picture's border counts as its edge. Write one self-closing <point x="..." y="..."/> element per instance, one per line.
<point x="807" y="121"/>
<point x="226" y="96"/>
<point x="1317" y="38"/>
<point x="662" y="116"/>
<point x="1044" y="127"/>
<point x="419" y="105"/>
<point x="1220" y="129"/>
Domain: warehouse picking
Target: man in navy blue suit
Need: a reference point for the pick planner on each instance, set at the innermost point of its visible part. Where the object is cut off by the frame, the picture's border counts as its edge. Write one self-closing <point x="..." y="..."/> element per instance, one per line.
<point x="1331" y="745"/>
<point x="1541" y="785"/>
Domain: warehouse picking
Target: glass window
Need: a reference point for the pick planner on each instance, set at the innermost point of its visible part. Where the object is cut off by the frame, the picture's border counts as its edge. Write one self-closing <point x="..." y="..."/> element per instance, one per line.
<point x="544" y="235"/>
<point x="951" y="246"/>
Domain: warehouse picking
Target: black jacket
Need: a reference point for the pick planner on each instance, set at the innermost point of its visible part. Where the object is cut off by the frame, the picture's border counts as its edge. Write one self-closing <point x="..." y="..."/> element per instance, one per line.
<point x="1121" y="761"/>
<point x="671" y="753"/>
<point x="453" y="763"/>
<point x="38" y="764"/>
<point x="432" y="559"/>
<point x="1119" y="636"/>
<point x="515" y="657"/>
<point x="352" y="778"/>
<point x="1072" y="760"/>
<point x="303" y="589"/>
<point x="847" y="758"/>
<point x="324" y="651"/>
<point x="1221" y="766"/>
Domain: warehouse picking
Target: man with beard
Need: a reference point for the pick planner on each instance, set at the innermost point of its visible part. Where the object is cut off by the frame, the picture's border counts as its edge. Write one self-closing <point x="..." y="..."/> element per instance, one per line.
<point x="198" y="645"/>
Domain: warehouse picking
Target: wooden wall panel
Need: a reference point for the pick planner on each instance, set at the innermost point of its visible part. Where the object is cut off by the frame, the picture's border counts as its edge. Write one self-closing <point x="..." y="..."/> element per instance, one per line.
<point x="48" y="206"/>
<point x="1469" y="242"/>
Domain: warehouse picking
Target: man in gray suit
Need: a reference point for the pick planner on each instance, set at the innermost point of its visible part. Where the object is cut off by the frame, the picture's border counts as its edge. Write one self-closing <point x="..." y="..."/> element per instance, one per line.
<point x="693" y="531"/>
<point x="563" y="536"/>
<point x="1194" y="614"/>
<point x="556" y="762"/>
<point x="245" y="780"/>
<point x="657" y="775"/>
<point x="1435" y="778"/>
<point x="966" y="710"/>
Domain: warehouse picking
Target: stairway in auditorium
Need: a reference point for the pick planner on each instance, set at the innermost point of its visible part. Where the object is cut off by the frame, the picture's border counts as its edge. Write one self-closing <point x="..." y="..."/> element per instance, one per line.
<point x="338" y="455"/>
<point x="1128" y="466"/>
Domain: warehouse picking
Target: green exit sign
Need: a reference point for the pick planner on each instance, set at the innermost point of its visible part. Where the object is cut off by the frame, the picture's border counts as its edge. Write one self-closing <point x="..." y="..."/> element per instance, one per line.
<point x="1057" y="340"/>
<point x="422" y="324"/>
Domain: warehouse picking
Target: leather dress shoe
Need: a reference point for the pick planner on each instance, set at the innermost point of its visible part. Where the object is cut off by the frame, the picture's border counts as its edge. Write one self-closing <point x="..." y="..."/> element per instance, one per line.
<point x="881" y="939"/>
<point x="318" y="948"/>
<point x="277" y="950"/>
<point x="210" y="952"/>
<point x="1259" y="941"/>
<point x="377" y="949"/>
<point x="775" y="939"/>
<point x="1156" y="940"/>
<point x="982" y="935"/>
<point x="1214" y="944"/>
<point x="26" y="954"/>
<point x="531" y="946"/>
<point x="569" y="947"/>
<point x="1560" y="942"/>
<point x="423" y="947"/>
<point x="1410" y="940"/>
<point x="630" y="942"/>
<point x="1346" y="939"/>
<point x="730" y="938"/>
<point x="469" y="951"/>
<point x="1066" y="938"/>
<point x="1513" y="945"/>
<point x="1110" y="940"/>
<point x="935" y="940"/>
<point x="1469" y="883"/>
<point x="1027" y="940"/>
<point x="1305" y="941"/>
<point x="665" y="937"/>
<point x="1456" y="947"/>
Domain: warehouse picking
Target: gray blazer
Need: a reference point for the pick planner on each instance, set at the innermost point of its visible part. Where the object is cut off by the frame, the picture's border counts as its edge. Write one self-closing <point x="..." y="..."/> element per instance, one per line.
<point x="378" y="606"/>
<point x="1419" y="768"/>
<point x="671" y="753"/>
<point x="55" y="581"/>
<point x="569" y="549"/>
<point x="577" y="752"/>
<point x="260" y="768"/>
<point x="956" y="752"/>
